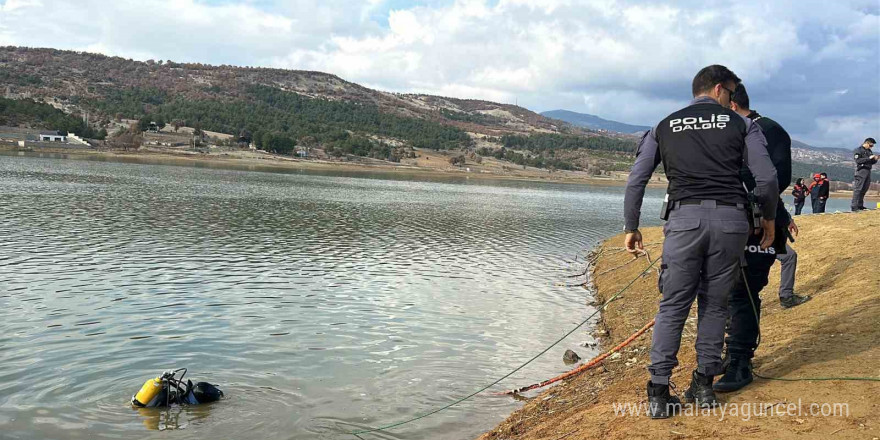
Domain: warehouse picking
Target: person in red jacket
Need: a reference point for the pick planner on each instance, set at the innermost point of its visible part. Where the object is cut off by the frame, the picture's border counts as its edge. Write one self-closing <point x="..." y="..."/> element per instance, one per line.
<point x="819" y="190"/>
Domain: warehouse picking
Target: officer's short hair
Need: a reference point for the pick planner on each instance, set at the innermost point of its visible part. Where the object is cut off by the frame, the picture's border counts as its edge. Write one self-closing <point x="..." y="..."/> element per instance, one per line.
<point x="708" y="76"/>
<point x="740" y="96"/>
<point x="870" y="141"/>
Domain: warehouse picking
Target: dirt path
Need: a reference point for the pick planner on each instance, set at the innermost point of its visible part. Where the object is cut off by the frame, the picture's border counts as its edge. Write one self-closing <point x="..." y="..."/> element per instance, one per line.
<point x="835" y="334"/>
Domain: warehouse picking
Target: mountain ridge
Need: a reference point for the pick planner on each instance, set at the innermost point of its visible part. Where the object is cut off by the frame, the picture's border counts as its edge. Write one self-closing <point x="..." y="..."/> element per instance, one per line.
<point x="594" y="122"/>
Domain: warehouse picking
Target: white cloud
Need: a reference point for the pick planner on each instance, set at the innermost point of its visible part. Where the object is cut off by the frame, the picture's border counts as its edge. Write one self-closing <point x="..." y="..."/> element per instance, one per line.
<point x="845" y="130"/>
<point x="626" y="60"/>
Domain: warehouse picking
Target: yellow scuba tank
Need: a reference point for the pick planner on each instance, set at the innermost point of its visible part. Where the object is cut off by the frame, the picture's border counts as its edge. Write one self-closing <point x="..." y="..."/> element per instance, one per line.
<point x="166" y="390"/>
<point x="149" y="392"/>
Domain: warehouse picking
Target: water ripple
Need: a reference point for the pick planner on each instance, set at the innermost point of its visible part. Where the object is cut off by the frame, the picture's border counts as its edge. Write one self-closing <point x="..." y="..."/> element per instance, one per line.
<point x="320" y="303"/>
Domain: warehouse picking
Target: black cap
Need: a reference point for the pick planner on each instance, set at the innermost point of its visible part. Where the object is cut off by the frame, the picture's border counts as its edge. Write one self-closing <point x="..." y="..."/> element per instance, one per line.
<point x="870" y="141"/>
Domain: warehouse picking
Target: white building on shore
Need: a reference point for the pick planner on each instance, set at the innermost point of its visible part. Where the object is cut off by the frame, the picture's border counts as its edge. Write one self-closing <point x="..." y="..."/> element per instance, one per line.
<point x="52" y="136"/>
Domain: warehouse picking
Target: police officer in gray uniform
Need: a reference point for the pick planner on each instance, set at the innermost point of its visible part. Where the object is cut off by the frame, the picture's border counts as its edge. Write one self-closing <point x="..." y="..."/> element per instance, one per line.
<point x="788" y="263"/>
<point x="862" y="180"/>
<point x="702" y="147"/>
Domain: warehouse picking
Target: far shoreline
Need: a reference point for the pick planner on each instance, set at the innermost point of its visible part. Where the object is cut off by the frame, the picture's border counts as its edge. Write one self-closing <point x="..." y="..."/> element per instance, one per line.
<point x="274" y="163"/>
<point x="265" y="162"/>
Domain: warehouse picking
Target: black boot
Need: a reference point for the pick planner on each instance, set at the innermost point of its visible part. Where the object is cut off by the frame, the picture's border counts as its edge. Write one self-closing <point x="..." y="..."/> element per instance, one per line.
<point x="737" y="375"/>
<point x="794" y="300"/>
<point x="660" y="404"/>
<point x="700" y="393"/>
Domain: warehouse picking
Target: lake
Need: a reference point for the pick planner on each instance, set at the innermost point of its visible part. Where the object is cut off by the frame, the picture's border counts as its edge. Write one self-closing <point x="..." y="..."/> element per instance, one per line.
<point x="319" y="302"/>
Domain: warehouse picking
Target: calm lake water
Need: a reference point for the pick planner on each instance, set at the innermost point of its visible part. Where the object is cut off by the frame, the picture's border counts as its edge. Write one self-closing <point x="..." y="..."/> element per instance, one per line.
<point x="319" y="303"/>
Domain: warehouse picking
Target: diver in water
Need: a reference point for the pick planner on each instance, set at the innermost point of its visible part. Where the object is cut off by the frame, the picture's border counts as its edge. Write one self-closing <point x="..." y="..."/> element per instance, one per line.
<point x="166" y="390"/>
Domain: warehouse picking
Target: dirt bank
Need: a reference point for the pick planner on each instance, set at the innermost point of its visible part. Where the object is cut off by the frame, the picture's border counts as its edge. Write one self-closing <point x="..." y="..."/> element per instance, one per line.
<point x="835" y="334"/>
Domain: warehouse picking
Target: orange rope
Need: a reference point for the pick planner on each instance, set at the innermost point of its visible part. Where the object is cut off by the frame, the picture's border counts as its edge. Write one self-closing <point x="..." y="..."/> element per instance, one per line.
<point x="595" y="361"/>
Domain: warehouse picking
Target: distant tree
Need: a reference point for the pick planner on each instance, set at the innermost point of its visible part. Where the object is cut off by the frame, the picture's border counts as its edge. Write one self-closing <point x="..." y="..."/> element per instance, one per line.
<point x="130" y="139"/>
<point x="177" y="123"/>
<point x="457" y="160"/>
<point x="245" y="136"/>
<point x="266" y="141"/>
<point x="308" y="142"/>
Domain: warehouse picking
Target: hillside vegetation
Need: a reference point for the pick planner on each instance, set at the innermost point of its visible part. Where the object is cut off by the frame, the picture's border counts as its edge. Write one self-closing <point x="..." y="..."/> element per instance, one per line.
<point x="279" y="109"/>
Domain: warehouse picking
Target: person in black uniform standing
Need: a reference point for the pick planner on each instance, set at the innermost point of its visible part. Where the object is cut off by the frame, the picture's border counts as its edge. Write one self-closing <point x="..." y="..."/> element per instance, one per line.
<point x="799" y="192"/>
<point x="742" y="339"/>
<point x="862" y="180"/>
<point x="702" y="148"/>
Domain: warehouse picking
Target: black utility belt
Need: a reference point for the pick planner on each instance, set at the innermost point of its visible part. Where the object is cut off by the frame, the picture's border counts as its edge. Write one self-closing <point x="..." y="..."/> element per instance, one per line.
<point x="669" y="206"/>
<point x="700" y="202"/>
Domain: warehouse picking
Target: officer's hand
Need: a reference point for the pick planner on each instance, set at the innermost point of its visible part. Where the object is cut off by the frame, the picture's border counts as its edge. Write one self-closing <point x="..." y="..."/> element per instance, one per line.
<point x="633" y="243"/>
<point x="769" y="227"/>
<point x="793" y="229"/>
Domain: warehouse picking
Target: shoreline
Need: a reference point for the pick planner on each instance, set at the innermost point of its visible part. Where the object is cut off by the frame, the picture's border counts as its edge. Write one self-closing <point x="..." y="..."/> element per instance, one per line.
<point x="264" y="162"/>
<point x="827" y="336"/>
<point x="248" y="161"/>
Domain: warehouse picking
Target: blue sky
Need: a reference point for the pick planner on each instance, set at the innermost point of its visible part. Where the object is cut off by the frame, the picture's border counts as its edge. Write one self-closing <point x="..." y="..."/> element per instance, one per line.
<point x="814" y="66"/>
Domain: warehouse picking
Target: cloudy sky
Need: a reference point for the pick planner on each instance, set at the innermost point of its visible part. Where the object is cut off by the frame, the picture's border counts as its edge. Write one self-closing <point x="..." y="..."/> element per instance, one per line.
<point x="814" y="66"/>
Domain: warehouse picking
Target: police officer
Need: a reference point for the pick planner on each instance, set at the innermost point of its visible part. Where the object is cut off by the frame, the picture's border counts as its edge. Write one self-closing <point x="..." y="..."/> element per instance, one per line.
<point x="862" y="180"/>
<point x="788" y="263"/>
<point x="745" y="300"/>
<point x="702" y="147"/>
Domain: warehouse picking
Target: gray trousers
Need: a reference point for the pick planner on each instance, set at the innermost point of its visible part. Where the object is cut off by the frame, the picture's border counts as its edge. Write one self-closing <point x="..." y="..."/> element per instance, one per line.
<point x="861" y="183"/>
<point x="703" y="244"/>
<point x="788" y="262"/>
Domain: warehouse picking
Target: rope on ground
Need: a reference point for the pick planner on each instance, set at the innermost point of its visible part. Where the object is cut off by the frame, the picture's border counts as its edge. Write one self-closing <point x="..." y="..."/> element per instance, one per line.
<point x="799" y="379"/>
<point x="641" y="252"/>
<point x="592" y="363"/>
<point x="589" y="266"/>
<point x="450" y="405"/>
<point x="619" y="249"/>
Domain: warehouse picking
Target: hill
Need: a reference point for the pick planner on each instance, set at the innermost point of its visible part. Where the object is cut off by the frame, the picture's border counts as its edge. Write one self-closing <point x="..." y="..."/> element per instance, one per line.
<point x="279" y="110"/>
<point x="593" y="122"/>
<point x="808" y="160"/>
<point x="820" y="153"/>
